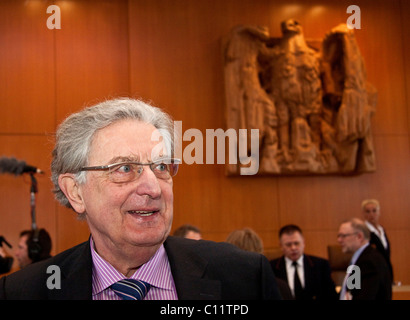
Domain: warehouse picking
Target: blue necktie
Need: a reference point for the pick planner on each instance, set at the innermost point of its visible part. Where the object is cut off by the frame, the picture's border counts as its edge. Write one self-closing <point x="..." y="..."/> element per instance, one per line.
<point x="130" y="289"/>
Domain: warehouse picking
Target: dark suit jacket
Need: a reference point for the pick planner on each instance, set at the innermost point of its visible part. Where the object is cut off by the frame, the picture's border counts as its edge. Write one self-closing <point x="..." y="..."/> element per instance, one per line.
<point x="385" y="252"/>
<point x="318" y="282"/>
<point x="201" y="270"/>
<point x="375" y="281"/>
<point x="5" y="264"/>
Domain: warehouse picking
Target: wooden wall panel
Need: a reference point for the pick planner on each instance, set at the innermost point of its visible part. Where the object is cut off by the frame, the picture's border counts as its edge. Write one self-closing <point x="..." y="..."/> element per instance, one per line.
<point x="400" y="255"/>
<point x="26" y="68"/>
<point x="394" y="160"/>
<point x="91" y="54"/>
<point x="405" y="20"/>
<point x="382" y="47"/>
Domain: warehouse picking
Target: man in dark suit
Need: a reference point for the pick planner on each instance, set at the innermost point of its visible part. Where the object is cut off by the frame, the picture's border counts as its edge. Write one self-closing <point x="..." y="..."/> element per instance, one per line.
<point x="198" y="269"/>
<point x="369" y="276"/>
<point x="308" y="276"/>
<point x="112" y="164"/>
<point x="378" y="236"/>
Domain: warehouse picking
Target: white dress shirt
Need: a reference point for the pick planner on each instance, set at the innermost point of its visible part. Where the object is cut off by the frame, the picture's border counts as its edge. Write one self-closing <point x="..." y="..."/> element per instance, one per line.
<point x="290" y="271"/>
<point x="379" y="231"/>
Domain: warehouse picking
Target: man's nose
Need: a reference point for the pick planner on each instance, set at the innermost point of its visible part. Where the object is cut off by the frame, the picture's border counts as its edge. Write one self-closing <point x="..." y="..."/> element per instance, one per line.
<point x="148" y="184"/>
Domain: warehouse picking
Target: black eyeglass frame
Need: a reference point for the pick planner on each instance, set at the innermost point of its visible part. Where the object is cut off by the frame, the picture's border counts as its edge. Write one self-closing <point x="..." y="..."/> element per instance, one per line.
<point x="345" y="235"/>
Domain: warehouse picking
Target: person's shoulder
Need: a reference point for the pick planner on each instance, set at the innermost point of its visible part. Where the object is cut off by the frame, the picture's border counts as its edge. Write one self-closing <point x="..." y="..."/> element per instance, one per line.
<point x="372" y="254"/>
<point x="39" y="271"/>
<point x="316" y="261"/>
<point x="277" y="263"/>
<point x="30" y="282"/>
<point x="191" y="244"/>
<point x="277" y="260"/>
<point x="211" y="249"/>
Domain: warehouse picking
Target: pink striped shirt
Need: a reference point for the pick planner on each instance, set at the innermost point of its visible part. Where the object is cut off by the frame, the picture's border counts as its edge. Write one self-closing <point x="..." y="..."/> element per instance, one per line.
<point x="156" y="272"/>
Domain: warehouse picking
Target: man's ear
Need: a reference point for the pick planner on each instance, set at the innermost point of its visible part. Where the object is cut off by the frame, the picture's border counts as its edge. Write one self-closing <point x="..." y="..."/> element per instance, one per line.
<point x="72" y="191"/>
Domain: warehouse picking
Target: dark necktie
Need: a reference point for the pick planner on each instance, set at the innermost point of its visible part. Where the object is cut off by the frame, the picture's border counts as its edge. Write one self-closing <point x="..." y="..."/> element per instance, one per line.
<point x="297" y="284"/>
<point x="130" y="289"/>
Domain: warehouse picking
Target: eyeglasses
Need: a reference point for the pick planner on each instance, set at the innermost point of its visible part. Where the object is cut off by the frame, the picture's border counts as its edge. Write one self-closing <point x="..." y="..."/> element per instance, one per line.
<point x="344" y="235"/>
<point x="129" y="171"/>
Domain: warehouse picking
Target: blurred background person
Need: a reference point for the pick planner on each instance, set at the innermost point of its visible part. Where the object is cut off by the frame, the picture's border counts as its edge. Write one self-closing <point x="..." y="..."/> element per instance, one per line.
<point x="375" y="281"/>
<point x="33" y="248"/>
<point x="378" y="237"/>
<point x="6" y="261"/>
<point x="188" y="231"/>
<point x="308" y="277"/>
<point x="247" y="239"/>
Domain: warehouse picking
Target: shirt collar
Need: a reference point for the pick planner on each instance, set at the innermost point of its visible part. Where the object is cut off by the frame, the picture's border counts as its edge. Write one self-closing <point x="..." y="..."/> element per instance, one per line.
<point x="155" y="271"/>
<point x="358" y="252"/>
<point x="378" y="230"/>
<point x="298" y="261"/>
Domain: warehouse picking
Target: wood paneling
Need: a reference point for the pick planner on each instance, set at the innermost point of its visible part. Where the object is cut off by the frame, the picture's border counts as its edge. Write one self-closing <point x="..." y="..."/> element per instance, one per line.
<point x="382" y="46"/>
<point x="170" y="52"/>
<point x="91" y="54"/>
<point x="405" y="20"/>
<point x="27" y="68"/>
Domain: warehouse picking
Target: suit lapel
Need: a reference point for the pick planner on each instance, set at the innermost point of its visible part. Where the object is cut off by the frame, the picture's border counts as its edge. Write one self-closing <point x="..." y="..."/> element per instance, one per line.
<point x="280" y="269"/>
<point x="308" y="265"/>
<point x="76" y="276"/>
<point x="363" y="256"/>
<point x="189" y="271"/>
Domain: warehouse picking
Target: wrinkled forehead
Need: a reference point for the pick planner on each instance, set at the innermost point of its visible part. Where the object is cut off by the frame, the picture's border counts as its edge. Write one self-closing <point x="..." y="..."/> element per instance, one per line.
<point x="346" y="227"/>
<point x="128" y="140"/>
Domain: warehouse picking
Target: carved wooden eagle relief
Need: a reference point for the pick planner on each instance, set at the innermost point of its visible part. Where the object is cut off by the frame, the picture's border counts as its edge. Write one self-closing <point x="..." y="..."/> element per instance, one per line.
<point x="309" y="100"/>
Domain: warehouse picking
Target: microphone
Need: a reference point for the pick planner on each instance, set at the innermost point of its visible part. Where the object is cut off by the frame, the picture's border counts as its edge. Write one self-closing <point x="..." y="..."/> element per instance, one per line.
<point x="2" y="239"/>
<point x="16" y="167"/>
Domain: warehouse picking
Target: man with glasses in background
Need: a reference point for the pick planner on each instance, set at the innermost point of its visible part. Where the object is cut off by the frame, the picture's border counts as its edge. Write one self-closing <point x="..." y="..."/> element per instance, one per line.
<point x="112" y="164"/>
<point x="372" y="280"/>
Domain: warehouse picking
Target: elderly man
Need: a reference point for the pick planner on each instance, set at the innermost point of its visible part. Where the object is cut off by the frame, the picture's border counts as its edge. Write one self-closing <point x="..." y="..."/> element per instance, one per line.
<point x="371" y="269"/>
<point x="113" y="165"/>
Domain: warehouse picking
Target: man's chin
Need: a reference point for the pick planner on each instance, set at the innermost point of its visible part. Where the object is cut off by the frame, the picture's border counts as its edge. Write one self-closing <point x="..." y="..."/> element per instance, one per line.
<point x="149" y="239"/>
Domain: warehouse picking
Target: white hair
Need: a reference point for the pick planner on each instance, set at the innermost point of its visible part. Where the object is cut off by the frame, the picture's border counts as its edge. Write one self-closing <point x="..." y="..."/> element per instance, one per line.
<point x="75" y="134"/>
